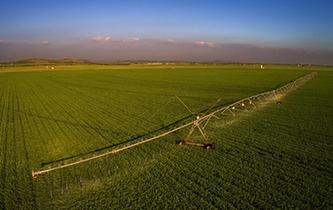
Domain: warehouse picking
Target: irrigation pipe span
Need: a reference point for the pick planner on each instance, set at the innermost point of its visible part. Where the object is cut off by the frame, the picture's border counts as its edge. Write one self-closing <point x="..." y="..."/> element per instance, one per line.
<point x="273" y="94"/>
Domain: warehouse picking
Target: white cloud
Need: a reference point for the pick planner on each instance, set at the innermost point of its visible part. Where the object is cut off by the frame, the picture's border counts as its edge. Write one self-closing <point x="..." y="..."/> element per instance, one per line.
<point x="45" y="42"/>
<point x="167" y="41"/>
<point x="135" y="39"/>
<point x="107" y="38"/>
<point x="170" y="40"/>
<point x="102" y="38"/>
<point x="204" y="44"/>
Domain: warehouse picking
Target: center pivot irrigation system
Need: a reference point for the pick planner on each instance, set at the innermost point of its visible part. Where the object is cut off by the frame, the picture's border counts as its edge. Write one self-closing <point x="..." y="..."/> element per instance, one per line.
<point x="199" y="122"/>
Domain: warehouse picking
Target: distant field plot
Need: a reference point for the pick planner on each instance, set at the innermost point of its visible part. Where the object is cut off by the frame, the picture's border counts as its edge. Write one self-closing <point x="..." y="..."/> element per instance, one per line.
<point x="278" y="156"/>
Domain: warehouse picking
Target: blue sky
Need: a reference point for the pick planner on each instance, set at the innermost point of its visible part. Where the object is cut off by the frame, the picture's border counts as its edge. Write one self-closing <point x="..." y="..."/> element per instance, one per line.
<point x="297" y="24"/>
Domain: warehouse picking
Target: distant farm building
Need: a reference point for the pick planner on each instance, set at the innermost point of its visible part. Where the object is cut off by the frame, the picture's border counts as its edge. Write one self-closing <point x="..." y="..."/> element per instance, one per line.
<point x="50" y="67"/>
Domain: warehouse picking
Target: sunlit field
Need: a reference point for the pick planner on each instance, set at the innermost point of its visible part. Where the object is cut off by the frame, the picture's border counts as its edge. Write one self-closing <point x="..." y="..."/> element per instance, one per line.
<point x="277" y="156"/>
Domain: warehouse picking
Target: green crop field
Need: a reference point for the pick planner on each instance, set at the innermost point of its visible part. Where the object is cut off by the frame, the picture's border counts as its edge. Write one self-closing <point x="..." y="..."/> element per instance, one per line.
<point x="276" y="156"/>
